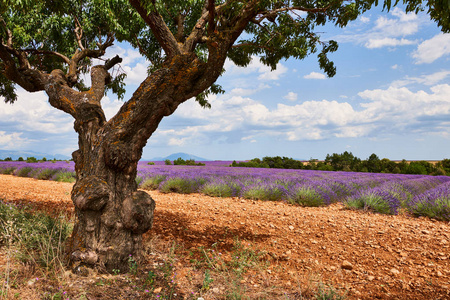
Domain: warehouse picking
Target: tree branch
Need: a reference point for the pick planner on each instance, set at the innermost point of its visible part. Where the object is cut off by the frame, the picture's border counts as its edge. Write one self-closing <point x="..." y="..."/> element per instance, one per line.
<point x="4" y="25"/>
<point x="180" y="27"/>
<point x="80" y="55"/>
<point x="159" y="28"/>
<point x="113" y="61"/>
<point x="29" y="79"/>
<point x="46" y="52"/>
<point x="196" y="33"/>
<point x="211" y="12"/>
<point x="78" y="32"/>
<point x="81" y="105"/>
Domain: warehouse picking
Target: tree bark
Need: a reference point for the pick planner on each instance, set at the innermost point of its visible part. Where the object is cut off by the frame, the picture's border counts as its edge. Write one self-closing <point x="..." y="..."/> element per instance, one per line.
<point x="111" y="214"/>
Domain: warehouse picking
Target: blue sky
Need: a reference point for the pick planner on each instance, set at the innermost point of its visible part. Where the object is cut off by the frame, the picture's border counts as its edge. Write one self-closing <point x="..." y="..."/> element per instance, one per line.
<point x="390" y="96"/>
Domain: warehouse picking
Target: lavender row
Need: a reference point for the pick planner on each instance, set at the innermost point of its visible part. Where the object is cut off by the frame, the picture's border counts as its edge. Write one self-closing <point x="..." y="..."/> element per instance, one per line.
<point x="48" y="170"/>
<point x="384" y="193"/>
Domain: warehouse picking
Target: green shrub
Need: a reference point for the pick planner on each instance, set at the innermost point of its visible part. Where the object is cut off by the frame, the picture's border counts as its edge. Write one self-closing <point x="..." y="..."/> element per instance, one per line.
<point x="328" y="292"/>
<point x="264" y="193"/>
<point x="65" y="176"/>
<point x="214" y="189"/>
<point x="7" y="171"/>
<point x="152" y="183"/>
<point x="167" y="162"/>
<point x="150" y="163"/>
<point x="181" y="185"/>
<point x="45" y="174"/>
<point x="23" y="172"/>
<point x="307" y="197"/>
<point x="378" y="201"/>
<point x="32" y="159"/>
<point x="138" y="180"/>
<point x="438" y="209"/>
<point x="179" y="161"/>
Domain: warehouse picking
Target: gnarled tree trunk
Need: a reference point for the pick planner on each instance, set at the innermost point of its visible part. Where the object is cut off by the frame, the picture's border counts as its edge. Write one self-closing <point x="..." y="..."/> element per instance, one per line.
<point x="111" y="214"/>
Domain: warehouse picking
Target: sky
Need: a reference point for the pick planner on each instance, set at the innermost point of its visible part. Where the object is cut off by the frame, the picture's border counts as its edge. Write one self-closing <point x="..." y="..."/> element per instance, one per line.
<point x="390" y="96"/>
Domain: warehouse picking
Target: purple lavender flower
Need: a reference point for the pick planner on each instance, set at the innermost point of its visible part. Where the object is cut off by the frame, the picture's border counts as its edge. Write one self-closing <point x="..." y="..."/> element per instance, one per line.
<point x="434" y="203"/>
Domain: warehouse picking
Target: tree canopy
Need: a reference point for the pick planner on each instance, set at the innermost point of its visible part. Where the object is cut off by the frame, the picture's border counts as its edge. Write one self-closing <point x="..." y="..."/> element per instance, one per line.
<point x="44" y="35"/>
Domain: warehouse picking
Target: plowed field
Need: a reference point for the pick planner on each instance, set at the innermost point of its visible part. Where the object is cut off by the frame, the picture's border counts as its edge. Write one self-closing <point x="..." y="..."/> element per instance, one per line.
<point x="370" y="256"/>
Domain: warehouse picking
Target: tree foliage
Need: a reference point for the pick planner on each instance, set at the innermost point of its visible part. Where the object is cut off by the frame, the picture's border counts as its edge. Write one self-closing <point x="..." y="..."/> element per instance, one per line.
<point x="346" y="161"/>
<point x="45" y="35"/>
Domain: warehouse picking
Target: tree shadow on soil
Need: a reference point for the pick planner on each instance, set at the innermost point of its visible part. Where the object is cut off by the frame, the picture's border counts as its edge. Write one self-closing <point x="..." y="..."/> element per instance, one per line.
<point x="179" y="227"/>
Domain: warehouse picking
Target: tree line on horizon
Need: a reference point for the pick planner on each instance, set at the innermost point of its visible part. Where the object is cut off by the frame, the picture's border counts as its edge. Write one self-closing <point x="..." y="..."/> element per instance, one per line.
<point x="32" y="159"/>
<point x="349" y="163"/>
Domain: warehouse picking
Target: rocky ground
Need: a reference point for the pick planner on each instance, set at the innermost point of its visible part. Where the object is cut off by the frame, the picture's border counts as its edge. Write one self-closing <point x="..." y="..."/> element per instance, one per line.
<point x="361" y="254"/>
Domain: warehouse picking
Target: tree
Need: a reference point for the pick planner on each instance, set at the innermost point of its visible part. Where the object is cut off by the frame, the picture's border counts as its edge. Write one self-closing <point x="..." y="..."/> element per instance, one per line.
<point x="373" y="163"/>
<point x="343" y="162"/>
<point x="47" y="45"/>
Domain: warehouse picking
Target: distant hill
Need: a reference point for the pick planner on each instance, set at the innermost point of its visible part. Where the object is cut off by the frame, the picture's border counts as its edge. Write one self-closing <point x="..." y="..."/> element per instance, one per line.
<point x="184" y="156"/>
<point x="15" y="154"/>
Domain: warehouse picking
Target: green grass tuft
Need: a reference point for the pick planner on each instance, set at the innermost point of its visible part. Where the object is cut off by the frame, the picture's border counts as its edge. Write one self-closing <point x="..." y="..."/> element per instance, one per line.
<point x="307" y="197"/>
<point x="65" y="176"/>
<point x="152" y="183"/>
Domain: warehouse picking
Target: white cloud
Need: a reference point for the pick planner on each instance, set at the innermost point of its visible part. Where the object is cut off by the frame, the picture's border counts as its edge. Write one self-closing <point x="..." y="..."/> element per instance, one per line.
<point x="247" y="91"/>
<point x="315" y="75"/>
<point x="432" y="49"/>
<point x="291" y="96"/>
<point x="394" y="67"/>
<point x="395" y="109"/>
<point x="401" y="108"/>
<point x="364" y="19"/>
<point x="12" y="140"/>
<point x="268" y="74"/>
<point x="111" y="107"/>
<point x="430" y="79"/>
<point x="402" y="25"/>
<point x="387" y="42"/>
<point x="133" y="64"/>
<point x="32" y="112"/>
<point x="387" y="31"/>
<point x="129" y="56"/>
<point x="136" y="74"/>
<point x="176" y="141"/>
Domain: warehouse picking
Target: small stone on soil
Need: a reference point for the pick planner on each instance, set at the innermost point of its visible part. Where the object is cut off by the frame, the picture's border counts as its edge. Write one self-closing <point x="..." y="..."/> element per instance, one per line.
<point x="346" y="265"/>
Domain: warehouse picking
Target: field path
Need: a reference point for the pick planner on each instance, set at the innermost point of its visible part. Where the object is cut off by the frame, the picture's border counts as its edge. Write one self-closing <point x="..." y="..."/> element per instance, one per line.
<point x="371" y="256"/>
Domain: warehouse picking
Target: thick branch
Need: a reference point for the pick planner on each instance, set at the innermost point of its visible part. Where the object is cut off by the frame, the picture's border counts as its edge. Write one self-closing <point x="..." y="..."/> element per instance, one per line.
<point x="159" y="28"/>
<point x="83" y="106"/>
<point x="29" y="79"/>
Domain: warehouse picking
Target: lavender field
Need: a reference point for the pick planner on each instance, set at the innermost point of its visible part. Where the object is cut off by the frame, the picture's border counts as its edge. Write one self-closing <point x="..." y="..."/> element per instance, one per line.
<point x="383" y="193"/>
